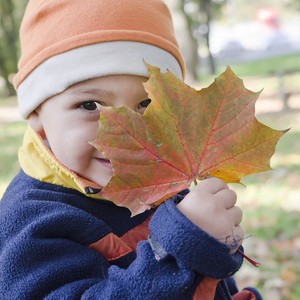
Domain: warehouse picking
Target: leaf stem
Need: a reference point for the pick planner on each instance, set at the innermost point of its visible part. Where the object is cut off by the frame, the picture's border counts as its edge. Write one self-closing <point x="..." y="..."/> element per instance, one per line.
<point x="253" y="262"/>
<point x="195" y="181"/>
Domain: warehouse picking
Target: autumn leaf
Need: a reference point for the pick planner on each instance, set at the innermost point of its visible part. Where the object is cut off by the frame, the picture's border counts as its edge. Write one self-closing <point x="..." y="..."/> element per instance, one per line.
<point x="185" y="135"/>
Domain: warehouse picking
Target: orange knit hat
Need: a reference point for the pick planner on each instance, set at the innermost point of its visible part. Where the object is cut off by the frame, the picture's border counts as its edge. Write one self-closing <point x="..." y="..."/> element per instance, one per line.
<point x="67" y="41"/>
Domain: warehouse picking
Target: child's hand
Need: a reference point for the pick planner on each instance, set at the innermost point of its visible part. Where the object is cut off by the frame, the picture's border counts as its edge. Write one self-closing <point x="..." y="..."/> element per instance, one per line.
<point x="211" y="206"/>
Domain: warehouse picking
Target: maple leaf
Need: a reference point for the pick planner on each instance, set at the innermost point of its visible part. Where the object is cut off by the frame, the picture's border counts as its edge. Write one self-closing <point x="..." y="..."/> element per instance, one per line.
<point x="185" y="135"/>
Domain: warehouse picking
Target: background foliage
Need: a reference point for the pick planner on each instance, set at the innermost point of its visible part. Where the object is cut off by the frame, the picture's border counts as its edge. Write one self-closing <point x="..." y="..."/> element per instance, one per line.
<point x="11" y="12"/>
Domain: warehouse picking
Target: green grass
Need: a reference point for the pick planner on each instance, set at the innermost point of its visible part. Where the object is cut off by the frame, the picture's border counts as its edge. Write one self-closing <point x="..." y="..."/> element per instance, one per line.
<point x="270" y="65"/>
<point x="271" y="208"/>
<point x="10" y="140"/>
<point x="261" y="70"/>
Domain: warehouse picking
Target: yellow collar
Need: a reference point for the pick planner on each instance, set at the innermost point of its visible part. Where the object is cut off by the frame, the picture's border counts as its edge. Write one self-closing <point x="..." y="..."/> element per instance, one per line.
<point x="38" y="161"/>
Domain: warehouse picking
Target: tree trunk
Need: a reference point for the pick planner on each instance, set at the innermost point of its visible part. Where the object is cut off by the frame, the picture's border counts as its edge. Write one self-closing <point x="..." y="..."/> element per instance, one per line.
<point x="206" y="8"/>
<point x="9" y="49"/>
<point x="192" y="61"/>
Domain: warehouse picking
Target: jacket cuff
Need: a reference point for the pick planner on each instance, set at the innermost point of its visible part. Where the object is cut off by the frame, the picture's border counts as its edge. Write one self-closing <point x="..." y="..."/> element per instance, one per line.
<point x="172" y="233"/>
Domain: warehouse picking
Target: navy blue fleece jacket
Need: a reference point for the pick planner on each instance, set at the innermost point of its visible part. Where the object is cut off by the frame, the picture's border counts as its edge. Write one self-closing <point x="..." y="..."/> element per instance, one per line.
<point x="56" y="243"/>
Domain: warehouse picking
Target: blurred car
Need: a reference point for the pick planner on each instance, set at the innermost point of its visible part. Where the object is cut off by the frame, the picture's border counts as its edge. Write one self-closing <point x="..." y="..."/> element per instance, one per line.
<point x="276" y="39"/>
<point x="266" y="41"/>
<point x="227" y="48"/>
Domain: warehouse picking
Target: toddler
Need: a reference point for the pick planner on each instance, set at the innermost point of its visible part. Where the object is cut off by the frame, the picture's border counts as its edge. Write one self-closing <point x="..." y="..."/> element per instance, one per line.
<point x="58" y="238"/>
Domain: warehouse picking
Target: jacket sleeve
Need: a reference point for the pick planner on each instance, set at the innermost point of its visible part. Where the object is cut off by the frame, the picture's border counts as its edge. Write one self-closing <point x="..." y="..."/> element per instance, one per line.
<point x="43" y="258"/>
<point x="192" y="247"/>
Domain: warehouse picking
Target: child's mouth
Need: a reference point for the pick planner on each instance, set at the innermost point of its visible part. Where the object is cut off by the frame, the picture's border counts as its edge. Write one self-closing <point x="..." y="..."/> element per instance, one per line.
<point x="104" y="162"/>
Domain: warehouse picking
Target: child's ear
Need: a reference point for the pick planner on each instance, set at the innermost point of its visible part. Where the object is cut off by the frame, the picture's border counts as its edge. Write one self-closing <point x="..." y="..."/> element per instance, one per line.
<point x="36" y="124"/>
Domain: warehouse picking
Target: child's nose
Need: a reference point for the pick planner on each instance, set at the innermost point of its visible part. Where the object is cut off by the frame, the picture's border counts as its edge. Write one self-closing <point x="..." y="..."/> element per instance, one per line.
<point x="128" y="104"/>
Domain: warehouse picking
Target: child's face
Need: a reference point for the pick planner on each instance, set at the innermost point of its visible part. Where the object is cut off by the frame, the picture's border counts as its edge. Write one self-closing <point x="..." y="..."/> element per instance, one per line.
<point x="70" y="120"/>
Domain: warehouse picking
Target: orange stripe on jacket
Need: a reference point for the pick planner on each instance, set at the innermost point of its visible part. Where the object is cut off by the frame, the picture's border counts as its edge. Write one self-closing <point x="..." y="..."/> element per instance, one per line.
<point x="136" y="234"/>
<point x="206" y="290"/>
<point x="111" y="247"/>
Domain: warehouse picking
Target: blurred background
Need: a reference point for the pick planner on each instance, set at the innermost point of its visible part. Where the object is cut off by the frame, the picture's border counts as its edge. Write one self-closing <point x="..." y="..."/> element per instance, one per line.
<point x="260" y="41"/>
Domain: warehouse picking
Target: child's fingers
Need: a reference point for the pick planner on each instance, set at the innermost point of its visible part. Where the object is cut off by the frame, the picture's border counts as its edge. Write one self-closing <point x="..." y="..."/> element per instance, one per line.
<point x="212" y="185"/>
<point x="236" y="215"/>
<point x="227" y="198"/>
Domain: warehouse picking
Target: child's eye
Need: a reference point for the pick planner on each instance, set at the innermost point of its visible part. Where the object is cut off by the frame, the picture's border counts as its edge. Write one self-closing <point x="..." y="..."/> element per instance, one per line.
<point x="144" y="103"/>
<point x="89" y="105"/>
